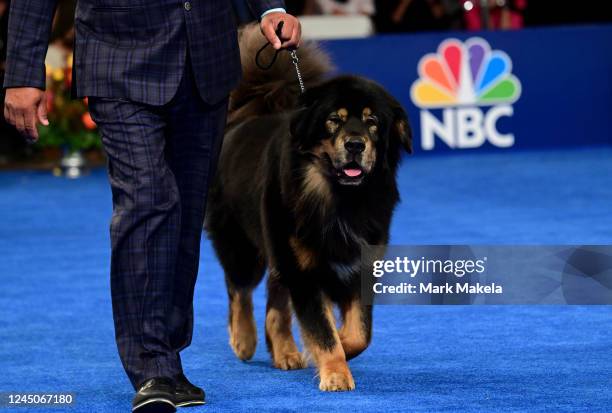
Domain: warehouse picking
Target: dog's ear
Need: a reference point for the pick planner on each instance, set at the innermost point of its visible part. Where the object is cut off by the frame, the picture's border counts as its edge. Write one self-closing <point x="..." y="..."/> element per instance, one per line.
<point x="303" y="122"/>
<point x="400" y="128"/>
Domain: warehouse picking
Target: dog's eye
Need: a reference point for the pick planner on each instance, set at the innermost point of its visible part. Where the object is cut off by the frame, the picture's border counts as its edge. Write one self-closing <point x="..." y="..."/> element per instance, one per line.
<point x="371" y="120"/>
<point x="335" y="119"/>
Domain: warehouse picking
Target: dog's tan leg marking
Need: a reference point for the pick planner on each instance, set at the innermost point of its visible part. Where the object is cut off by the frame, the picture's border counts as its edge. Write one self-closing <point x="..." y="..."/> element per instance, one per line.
<point x="306" y="258"/>
<point x="352" y="334"/>
<point x="334" y="372"/>
<point x="285" y="353"/>
<point x="242" y="330"/>
<point x="282" y="347"/>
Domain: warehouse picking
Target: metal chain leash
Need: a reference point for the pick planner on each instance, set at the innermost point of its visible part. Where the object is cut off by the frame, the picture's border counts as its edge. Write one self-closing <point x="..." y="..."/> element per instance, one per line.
<point x="295" y="60"/>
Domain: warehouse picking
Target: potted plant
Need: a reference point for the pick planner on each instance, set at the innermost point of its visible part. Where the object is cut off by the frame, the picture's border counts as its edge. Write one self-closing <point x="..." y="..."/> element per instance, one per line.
<point x="71" y="129"/>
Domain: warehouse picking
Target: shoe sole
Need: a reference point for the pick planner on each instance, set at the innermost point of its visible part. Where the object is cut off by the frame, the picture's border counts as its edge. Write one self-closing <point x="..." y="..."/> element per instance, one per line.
<point x="157" y="405"/>
<point x="191" y="403"/>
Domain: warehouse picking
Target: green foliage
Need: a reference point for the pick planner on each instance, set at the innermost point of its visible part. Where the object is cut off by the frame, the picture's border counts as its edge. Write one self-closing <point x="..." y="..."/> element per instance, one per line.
<point x="70" y="126"/>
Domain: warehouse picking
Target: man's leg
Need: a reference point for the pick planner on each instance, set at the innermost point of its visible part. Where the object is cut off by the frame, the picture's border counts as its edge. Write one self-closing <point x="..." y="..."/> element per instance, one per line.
<point x="195" y="132"/>
<point x="145" y="229"/>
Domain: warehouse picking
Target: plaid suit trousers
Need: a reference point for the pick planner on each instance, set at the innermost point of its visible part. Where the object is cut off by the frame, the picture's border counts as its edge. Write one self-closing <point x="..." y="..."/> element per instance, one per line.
<point x="160" y="162"/>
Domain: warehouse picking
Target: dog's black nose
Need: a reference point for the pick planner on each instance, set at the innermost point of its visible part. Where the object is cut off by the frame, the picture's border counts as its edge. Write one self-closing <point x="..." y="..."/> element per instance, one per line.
<point x="355" y="145"/>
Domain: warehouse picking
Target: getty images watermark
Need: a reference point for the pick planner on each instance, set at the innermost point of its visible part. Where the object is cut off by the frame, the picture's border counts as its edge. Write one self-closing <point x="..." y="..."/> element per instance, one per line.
<point x="463" y="274"/>
<point x="421" y="266"/>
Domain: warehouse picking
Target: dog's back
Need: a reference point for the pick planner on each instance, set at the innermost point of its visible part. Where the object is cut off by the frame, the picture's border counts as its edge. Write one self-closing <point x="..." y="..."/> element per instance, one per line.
<point x="263" y="92"/>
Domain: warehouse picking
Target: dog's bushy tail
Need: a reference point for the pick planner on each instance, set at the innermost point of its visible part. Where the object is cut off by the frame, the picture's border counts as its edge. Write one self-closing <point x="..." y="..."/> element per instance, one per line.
<point x="274" y="90"/>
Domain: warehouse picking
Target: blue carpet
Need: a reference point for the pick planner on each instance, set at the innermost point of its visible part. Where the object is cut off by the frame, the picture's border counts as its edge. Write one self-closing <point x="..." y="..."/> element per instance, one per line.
<point x="56" y="331"/>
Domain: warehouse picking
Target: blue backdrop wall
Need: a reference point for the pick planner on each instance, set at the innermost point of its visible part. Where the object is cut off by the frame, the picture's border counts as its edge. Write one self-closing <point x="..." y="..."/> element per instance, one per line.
<point x="562" y="84"/>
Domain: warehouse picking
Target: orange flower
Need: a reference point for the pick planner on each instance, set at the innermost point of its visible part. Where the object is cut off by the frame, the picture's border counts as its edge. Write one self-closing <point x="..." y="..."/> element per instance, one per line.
<point x="68" y="78"/>
<point x="88" y="121"/>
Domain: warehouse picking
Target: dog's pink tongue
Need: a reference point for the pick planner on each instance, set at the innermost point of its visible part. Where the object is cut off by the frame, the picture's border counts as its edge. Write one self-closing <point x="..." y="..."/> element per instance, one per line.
<point x="352" y="172"/>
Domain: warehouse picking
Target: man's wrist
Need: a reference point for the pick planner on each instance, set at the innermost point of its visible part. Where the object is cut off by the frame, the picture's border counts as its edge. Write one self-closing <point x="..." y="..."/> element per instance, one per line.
<point x="275" y="10"/>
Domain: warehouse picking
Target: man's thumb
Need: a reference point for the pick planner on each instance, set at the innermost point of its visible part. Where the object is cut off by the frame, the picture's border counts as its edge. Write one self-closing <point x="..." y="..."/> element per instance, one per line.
<point x="42" y="111"/>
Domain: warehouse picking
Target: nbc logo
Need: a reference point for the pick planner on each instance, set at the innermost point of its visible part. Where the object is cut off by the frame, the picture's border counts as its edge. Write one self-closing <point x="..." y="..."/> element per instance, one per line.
<point x="461" y="80"/>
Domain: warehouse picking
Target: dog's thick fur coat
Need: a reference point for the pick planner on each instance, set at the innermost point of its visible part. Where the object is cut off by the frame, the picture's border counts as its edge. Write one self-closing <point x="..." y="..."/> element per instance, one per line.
<point x="303" y="183"/>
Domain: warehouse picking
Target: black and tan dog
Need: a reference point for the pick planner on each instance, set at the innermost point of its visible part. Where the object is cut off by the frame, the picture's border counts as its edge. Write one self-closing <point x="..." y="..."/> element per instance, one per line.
<point x="300" y="188"/>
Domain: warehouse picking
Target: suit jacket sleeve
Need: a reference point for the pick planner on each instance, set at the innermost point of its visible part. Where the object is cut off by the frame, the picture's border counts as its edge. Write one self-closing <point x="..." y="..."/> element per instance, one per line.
<point x="258" y="7"/>
<point x="29" y="29"/>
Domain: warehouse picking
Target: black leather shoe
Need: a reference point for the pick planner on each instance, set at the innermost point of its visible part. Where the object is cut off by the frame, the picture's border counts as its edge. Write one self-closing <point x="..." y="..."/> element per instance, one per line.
<point x="187" y="394"/>
<point x="155" y="395"/>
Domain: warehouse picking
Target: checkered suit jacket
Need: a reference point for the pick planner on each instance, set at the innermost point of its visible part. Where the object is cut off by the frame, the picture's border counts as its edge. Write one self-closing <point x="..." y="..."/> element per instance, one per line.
<point x="133" y="49"/>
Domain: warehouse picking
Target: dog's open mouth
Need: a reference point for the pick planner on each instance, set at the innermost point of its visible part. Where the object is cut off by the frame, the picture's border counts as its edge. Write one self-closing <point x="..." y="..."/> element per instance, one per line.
<point x="352" y="173"/>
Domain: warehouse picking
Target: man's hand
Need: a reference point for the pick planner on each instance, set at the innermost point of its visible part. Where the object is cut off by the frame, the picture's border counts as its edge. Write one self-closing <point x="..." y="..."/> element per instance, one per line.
<point x="290" y="35"/>
<point x="24" y="108"/>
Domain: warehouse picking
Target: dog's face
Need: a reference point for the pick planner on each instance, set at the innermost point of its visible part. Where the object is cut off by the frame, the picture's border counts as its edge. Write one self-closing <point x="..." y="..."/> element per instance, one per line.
<point x="350" y="144"/>
<point x="351" y="127"/>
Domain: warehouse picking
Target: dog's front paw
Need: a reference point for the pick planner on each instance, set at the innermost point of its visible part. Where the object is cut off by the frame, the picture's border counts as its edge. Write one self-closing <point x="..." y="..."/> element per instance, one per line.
<point x="289" y="361"/>
<point x="338" y="378"/>
<point x="244" y="347"/>
<point x="243" y="340"/>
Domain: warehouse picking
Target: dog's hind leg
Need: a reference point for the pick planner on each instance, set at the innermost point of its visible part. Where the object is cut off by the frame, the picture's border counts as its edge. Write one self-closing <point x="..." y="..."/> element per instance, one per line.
<point x="244" y="269"/>
<point x="280" y="341"/>
<point x="356" y="331"/>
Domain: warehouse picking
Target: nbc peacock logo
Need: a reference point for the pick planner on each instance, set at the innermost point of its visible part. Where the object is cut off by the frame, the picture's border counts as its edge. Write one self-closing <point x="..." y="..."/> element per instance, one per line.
<point x="473" y="87"/>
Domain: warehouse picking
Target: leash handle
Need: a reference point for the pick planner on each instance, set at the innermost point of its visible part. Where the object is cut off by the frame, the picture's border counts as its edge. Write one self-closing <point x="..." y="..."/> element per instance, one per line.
<point x="278" y="32"/>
